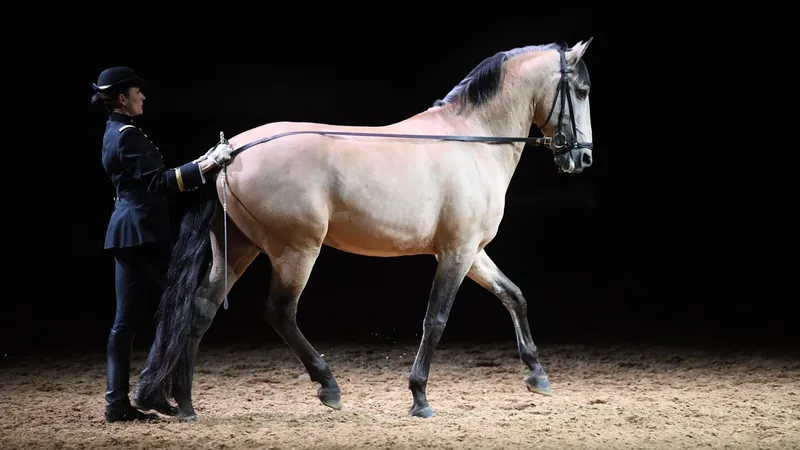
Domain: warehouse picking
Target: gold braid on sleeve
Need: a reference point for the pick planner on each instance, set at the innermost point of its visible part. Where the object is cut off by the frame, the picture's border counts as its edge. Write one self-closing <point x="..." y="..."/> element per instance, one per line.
<point x="179" y="179"/>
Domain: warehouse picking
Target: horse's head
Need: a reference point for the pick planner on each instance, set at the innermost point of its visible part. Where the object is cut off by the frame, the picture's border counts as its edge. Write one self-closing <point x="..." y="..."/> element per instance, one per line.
<point x="561" y="109"/>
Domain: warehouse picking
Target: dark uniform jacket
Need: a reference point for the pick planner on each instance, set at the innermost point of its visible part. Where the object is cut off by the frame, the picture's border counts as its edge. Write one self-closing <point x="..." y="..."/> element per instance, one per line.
<point x="136" y="169"/>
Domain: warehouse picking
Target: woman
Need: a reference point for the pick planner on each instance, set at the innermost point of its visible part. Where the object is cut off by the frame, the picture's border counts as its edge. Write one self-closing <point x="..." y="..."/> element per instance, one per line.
<point x="138" y="233"/>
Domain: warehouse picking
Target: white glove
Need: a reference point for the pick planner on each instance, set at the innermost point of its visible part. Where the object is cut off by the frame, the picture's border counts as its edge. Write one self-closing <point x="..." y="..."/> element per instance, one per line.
<point x="220" y="154"/>
<point x="208" y="153"/>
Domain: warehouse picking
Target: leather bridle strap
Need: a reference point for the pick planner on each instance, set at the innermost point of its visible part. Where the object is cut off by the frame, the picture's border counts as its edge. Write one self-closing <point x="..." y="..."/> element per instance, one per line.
<point x="559" y="138"/>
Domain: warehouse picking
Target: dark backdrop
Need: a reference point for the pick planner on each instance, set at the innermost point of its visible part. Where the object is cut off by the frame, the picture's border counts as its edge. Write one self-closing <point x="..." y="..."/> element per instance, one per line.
<point x="685" y="227"/>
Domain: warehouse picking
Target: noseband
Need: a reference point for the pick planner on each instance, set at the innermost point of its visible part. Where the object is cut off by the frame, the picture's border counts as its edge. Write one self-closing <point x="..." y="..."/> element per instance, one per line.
<point x="560" y="141"/>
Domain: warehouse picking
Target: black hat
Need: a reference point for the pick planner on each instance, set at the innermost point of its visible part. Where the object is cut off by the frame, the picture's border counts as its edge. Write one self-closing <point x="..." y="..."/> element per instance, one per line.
<point x="118" y="78"/>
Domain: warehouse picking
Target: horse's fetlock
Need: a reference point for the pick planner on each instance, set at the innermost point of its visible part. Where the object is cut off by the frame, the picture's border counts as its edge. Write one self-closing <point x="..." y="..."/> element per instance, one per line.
<point x="417" y="382"/>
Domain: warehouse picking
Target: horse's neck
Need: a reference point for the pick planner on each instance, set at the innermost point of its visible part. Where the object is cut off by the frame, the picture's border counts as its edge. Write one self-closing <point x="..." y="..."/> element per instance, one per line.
<point x="509" y="114"/>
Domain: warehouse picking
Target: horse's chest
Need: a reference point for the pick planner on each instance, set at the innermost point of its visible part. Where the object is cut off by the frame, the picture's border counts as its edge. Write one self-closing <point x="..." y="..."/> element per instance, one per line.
<point x="491" y="220"/>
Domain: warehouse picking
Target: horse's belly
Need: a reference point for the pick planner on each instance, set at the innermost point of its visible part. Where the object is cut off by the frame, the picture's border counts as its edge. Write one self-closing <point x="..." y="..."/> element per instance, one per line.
<point x="389" y="228"/>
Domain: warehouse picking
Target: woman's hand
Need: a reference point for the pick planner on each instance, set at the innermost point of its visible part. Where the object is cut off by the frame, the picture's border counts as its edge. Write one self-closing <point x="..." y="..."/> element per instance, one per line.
<point x="206" y="155"/>
<point x="220" y="154"/>
<point x="206" y="165"/>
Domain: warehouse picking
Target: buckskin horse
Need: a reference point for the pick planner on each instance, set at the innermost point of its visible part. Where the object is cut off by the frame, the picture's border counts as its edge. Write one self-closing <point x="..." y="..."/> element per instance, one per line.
<point x="434" y="184"/>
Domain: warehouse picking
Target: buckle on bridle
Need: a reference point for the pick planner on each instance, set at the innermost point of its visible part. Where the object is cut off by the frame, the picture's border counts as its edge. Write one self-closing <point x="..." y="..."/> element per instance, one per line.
<point x="559" y="140"/>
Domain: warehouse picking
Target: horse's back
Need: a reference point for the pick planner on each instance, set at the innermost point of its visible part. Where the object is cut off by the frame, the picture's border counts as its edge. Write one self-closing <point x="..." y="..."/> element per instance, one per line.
<point x="374" y="196"/>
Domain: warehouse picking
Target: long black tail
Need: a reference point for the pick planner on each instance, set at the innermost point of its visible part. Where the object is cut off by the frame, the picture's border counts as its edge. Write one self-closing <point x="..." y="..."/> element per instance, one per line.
<point x="169" y="358"/>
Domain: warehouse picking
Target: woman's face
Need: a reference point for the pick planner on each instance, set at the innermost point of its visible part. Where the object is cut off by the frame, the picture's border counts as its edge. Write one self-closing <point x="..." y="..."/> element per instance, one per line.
<point x="132" y="102"/>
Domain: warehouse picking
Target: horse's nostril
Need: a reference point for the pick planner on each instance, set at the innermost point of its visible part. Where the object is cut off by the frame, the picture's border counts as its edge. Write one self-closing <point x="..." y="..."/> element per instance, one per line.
<point x="586" y="159"/>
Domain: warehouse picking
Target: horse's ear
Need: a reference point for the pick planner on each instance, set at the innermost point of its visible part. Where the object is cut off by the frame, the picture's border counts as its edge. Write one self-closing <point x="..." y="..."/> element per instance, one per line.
<point x="577" y="51"/>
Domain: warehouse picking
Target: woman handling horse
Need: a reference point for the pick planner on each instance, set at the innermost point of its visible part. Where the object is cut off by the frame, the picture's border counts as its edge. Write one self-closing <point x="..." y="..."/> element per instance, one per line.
<point x="138" y="231"/>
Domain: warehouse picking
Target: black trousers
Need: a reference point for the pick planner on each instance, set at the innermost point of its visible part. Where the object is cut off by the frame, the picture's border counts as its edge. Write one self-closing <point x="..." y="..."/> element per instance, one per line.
<point x="141" y="274"/>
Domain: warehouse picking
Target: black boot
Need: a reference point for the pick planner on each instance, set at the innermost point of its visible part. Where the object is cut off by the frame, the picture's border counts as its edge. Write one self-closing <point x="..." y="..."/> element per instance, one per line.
<point x="126" y="414"/>
<point x="118" y="361"/>
<point x="118" y="406"/>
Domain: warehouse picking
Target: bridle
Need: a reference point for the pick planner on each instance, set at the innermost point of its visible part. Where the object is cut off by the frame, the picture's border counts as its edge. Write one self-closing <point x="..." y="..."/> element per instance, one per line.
<point x="558" y="141"/>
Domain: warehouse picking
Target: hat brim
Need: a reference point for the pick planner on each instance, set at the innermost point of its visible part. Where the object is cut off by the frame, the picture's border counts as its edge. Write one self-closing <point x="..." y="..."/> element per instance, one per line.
<point x="124" y="84"/>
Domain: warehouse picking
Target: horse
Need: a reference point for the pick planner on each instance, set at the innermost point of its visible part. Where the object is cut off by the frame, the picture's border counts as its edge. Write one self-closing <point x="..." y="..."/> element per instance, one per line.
<point x="433" y="184"/>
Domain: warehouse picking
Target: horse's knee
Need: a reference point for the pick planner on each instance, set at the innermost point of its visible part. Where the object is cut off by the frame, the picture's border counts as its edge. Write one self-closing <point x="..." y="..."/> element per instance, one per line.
<point x="516" y="296"/>
<point x="510" y="295"/>
<point x="435" y="324"/>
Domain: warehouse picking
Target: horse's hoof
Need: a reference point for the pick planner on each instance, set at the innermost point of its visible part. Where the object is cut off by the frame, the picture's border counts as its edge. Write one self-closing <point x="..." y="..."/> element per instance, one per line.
<point x="424" y="412"/>
<point x="161" y="406"/>
<point x="330" y="397"/>
<point x="188" y="417"/>
<point x="538" y="384"/>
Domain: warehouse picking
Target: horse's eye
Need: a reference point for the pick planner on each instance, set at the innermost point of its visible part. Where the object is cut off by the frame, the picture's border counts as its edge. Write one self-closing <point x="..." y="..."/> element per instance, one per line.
<point x="582" y="93"/>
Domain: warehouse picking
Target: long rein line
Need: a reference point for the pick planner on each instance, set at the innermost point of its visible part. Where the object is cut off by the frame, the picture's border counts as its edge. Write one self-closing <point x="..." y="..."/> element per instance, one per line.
<point x="540" y="141"/>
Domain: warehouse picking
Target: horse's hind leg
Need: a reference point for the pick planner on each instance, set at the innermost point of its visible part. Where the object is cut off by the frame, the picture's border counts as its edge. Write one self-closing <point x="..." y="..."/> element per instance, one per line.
<point x="290" y="273"/>
<point x="453" y="265"/>
<point x="485" y="272"/>
<point x="208" y="298"/>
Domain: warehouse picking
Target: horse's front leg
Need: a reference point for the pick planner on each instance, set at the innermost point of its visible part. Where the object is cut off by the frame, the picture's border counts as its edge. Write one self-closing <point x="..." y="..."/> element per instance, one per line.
<point x="453" y="266"/>
<point x="485" y="272"/>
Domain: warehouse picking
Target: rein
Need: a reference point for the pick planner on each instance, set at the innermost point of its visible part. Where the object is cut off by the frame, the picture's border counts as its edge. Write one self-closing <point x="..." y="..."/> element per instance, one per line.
<point x="559" y="141"/>
<point x="541" y="141"/>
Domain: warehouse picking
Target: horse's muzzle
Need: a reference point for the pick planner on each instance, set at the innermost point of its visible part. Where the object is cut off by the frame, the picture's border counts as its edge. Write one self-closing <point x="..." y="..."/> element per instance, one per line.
<point x="574" y="160"/>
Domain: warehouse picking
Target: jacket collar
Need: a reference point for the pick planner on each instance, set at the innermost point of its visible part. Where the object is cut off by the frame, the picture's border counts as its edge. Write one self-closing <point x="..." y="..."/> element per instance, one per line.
<point x="118" y="117"/>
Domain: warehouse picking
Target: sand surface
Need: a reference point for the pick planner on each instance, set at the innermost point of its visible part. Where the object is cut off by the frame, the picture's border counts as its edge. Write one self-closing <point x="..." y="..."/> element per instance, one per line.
<point x="604" y="397"/>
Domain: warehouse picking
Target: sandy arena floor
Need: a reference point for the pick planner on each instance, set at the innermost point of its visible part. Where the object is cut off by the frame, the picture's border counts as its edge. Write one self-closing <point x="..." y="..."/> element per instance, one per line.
<point x="604" y="398"/>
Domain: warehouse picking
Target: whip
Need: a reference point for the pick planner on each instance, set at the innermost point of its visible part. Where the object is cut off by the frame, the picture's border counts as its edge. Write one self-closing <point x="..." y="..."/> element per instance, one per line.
<point x="222" y="140"/>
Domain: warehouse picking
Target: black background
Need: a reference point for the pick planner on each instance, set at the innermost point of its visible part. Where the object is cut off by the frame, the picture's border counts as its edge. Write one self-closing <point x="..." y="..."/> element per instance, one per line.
<point x="684" y="229"/>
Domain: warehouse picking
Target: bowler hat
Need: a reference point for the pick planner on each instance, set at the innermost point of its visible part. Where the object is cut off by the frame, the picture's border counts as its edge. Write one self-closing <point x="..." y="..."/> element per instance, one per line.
<point x="118" y="78"/>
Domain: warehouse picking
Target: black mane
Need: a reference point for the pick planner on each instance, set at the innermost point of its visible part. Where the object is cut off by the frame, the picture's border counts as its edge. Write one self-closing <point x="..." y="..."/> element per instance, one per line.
<point x="482" y="82"/>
